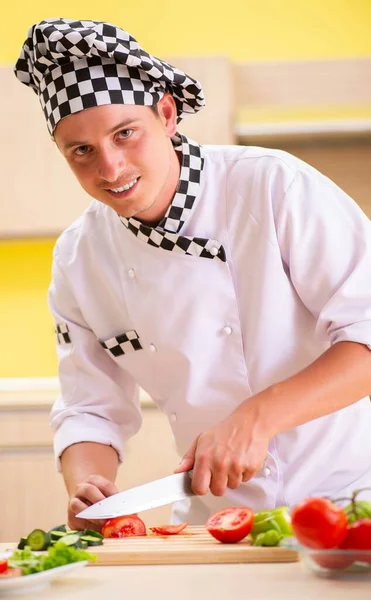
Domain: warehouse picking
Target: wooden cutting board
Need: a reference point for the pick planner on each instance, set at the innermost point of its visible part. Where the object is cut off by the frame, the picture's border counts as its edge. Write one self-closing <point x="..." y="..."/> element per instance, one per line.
<point x="193" y="546"/>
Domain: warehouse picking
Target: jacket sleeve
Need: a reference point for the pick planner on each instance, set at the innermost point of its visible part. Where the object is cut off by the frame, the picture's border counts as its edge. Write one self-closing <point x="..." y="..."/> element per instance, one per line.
<point x="325" y="242"/>
<point x="99" y="401"/>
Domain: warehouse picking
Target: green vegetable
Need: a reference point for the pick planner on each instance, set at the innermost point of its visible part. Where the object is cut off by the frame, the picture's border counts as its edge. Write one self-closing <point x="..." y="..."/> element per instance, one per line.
<point x="59" y="528"/>
<point x="38" y="539"/>
<point x="277" y="519"/>
<point x="92" y="540"/>
<point x="22" y="543"/>
<point x="361" y="509"/>
<point x="72" y="539"/>
<point x="92" y="533"/>
<point x="268" y="538"/>
<point x="56" y="535"/>
<point x="56" y="556"/>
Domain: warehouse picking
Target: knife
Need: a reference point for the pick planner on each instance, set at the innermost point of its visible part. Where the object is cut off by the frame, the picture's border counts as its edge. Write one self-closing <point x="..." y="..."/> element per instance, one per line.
<point x="150" y="495"/>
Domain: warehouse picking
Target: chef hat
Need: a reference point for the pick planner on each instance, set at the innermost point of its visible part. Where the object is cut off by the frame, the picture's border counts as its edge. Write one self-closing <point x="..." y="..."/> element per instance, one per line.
<point x="73" y="65"/>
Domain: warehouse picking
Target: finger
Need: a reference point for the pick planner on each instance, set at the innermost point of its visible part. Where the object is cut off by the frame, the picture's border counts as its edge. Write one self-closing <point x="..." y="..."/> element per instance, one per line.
<point x="104" y="485"/>
<point x="80" y="524"/>
<point x="247" y="475"/>
<point x="201" y="476"/>
<point x="89" y="493"/>
<point x="75" y="507"/>
<point x="234" y="480"/>
<point x="218" y="483"/>
<point x="188" y="459"/>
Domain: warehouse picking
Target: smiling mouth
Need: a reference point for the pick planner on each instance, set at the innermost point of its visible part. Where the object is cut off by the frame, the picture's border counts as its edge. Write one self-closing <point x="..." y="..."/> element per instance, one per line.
<point x="123" y="188"/>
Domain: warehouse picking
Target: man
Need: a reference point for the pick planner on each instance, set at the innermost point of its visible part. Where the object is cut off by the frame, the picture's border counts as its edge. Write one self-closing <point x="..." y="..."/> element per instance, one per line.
<point x="232" y="283"/>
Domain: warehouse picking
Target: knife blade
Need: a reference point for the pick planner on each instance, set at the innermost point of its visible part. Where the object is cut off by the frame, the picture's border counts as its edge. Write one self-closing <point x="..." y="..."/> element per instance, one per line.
<point x="144" y="497"/>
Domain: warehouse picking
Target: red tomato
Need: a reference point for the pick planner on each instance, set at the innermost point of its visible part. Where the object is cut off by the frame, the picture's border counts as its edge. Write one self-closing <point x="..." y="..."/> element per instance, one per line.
<point x="11" y="573"/>
<point x="3" y="566"/>
<point x="319" y="523"/>
<point x="169" y="529"/>
<point x="359" y="538"/>
<point x="125" y="526"/>
<point x="231" y="525"/>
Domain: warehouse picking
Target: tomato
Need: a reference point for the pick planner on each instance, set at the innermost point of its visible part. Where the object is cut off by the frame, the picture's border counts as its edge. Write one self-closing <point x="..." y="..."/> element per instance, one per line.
<point x="169" y="529"/>
<point x="231" y="525"/>
<point x="11" y="573"/>
<point x="3" y="565"/>
<point x="359" y="538"/>
<point x="319" y="523"/>
<point x="125" y="526"/>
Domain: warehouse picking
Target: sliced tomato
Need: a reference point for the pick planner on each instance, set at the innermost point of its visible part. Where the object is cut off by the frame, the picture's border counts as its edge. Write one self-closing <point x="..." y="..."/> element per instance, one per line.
<point x="3" y="566"/>
<point x="125" y="526"/>
<point x="319" y="523"/>
<point x="169" y="529"/>
<point x="11" y="573"/>
<point x="231" y="525"/>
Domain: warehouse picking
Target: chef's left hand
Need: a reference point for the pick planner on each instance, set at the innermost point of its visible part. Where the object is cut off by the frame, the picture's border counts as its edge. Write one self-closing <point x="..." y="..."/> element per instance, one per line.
<point x="228" y="454"/>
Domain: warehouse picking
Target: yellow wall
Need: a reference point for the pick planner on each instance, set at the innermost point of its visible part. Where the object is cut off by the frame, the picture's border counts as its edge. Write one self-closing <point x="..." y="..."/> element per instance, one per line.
<point x="26" y="327"/>
<point x="243" y="30"/>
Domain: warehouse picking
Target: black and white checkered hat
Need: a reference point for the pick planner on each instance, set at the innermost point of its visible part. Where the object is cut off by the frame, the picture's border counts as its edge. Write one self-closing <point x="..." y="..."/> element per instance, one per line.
<point x="74" y="65"/>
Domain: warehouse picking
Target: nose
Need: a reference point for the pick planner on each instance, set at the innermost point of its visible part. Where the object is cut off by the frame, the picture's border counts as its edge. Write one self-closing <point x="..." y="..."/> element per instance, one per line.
<point x="111" y="164"/>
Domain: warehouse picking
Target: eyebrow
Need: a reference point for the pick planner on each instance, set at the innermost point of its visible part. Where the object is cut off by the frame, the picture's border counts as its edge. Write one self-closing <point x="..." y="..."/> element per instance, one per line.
<point x="112" y="130"/>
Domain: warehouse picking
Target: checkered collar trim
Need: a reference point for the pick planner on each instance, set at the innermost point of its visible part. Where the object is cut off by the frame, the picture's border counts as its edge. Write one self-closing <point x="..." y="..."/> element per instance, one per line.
<point x="187" y="189"/>
<point x="188" y="186"/>
<point x="165" y="235"/>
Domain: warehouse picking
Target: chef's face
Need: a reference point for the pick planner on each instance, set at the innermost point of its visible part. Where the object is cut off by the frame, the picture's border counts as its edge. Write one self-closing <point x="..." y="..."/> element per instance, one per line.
<point x="123" y="156"/>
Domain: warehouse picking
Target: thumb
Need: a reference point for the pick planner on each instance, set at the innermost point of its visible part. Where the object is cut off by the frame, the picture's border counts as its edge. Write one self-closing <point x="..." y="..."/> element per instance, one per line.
<point x="188" y="459"/>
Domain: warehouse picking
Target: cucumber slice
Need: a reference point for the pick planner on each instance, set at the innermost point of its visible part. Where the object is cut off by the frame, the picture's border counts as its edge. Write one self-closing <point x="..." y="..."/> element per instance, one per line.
<point x="59" y="528"/>
<point x="84" y="544"/>
<point x="38" y="539"/>
<point x="92" y="540"/>
<point x="57" y="535"/>
<point x="22" y="543"/>
<point x="92" y="533"/>
<point x="72" y="539"/>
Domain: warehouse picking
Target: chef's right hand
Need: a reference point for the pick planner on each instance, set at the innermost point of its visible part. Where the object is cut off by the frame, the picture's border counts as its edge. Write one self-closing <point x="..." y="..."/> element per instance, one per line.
<point x="88" y="492"/>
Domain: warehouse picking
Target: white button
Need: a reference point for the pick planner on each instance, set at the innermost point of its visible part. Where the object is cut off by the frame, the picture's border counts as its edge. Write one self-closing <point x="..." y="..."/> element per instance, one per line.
<point x="131" y="273"/>
<point x="173" y="417"/>
<point x="214" y="251"/>
<point x="267" y="471"/>
<point x="152" y="348"/>
<point x="227" y="330"/>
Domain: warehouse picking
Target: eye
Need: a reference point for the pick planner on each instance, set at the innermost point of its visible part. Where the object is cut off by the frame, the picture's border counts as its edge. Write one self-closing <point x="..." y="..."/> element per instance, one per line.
<point x="82" y="150"/>
<point x="124" y="133"/>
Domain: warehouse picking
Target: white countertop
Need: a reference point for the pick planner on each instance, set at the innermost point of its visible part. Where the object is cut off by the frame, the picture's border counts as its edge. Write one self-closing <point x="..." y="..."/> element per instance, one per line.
<point x="286" y="581"/>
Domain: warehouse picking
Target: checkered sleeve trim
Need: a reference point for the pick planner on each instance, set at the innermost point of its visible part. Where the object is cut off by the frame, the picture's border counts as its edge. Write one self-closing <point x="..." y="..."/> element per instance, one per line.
<point x="63" y="333"/>
<point x="124" y="343"/>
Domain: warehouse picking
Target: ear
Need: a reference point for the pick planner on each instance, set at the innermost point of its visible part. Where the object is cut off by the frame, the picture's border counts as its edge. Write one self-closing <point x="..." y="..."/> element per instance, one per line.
<point x="167" y="113"/>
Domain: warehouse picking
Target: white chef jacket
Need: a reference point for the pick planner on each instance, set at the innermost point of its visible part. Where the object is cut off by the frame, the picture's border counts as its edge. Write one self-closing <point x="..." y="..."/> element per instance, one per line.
<point x="209" y="334"/>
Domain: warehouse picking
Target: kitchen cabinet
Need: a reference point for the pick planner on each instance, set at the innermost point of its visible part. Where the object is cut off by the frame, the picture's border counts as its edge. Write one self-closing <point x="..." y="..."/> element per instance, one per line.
<point x="32" y="491"/>
<point x="40" y="186"/>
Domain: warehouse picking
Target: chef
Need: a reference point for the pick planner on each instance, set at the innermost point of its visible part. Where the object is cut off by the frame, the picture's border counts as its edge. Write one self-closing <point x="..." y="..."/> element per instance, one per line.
<point x="231" y="283"/>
